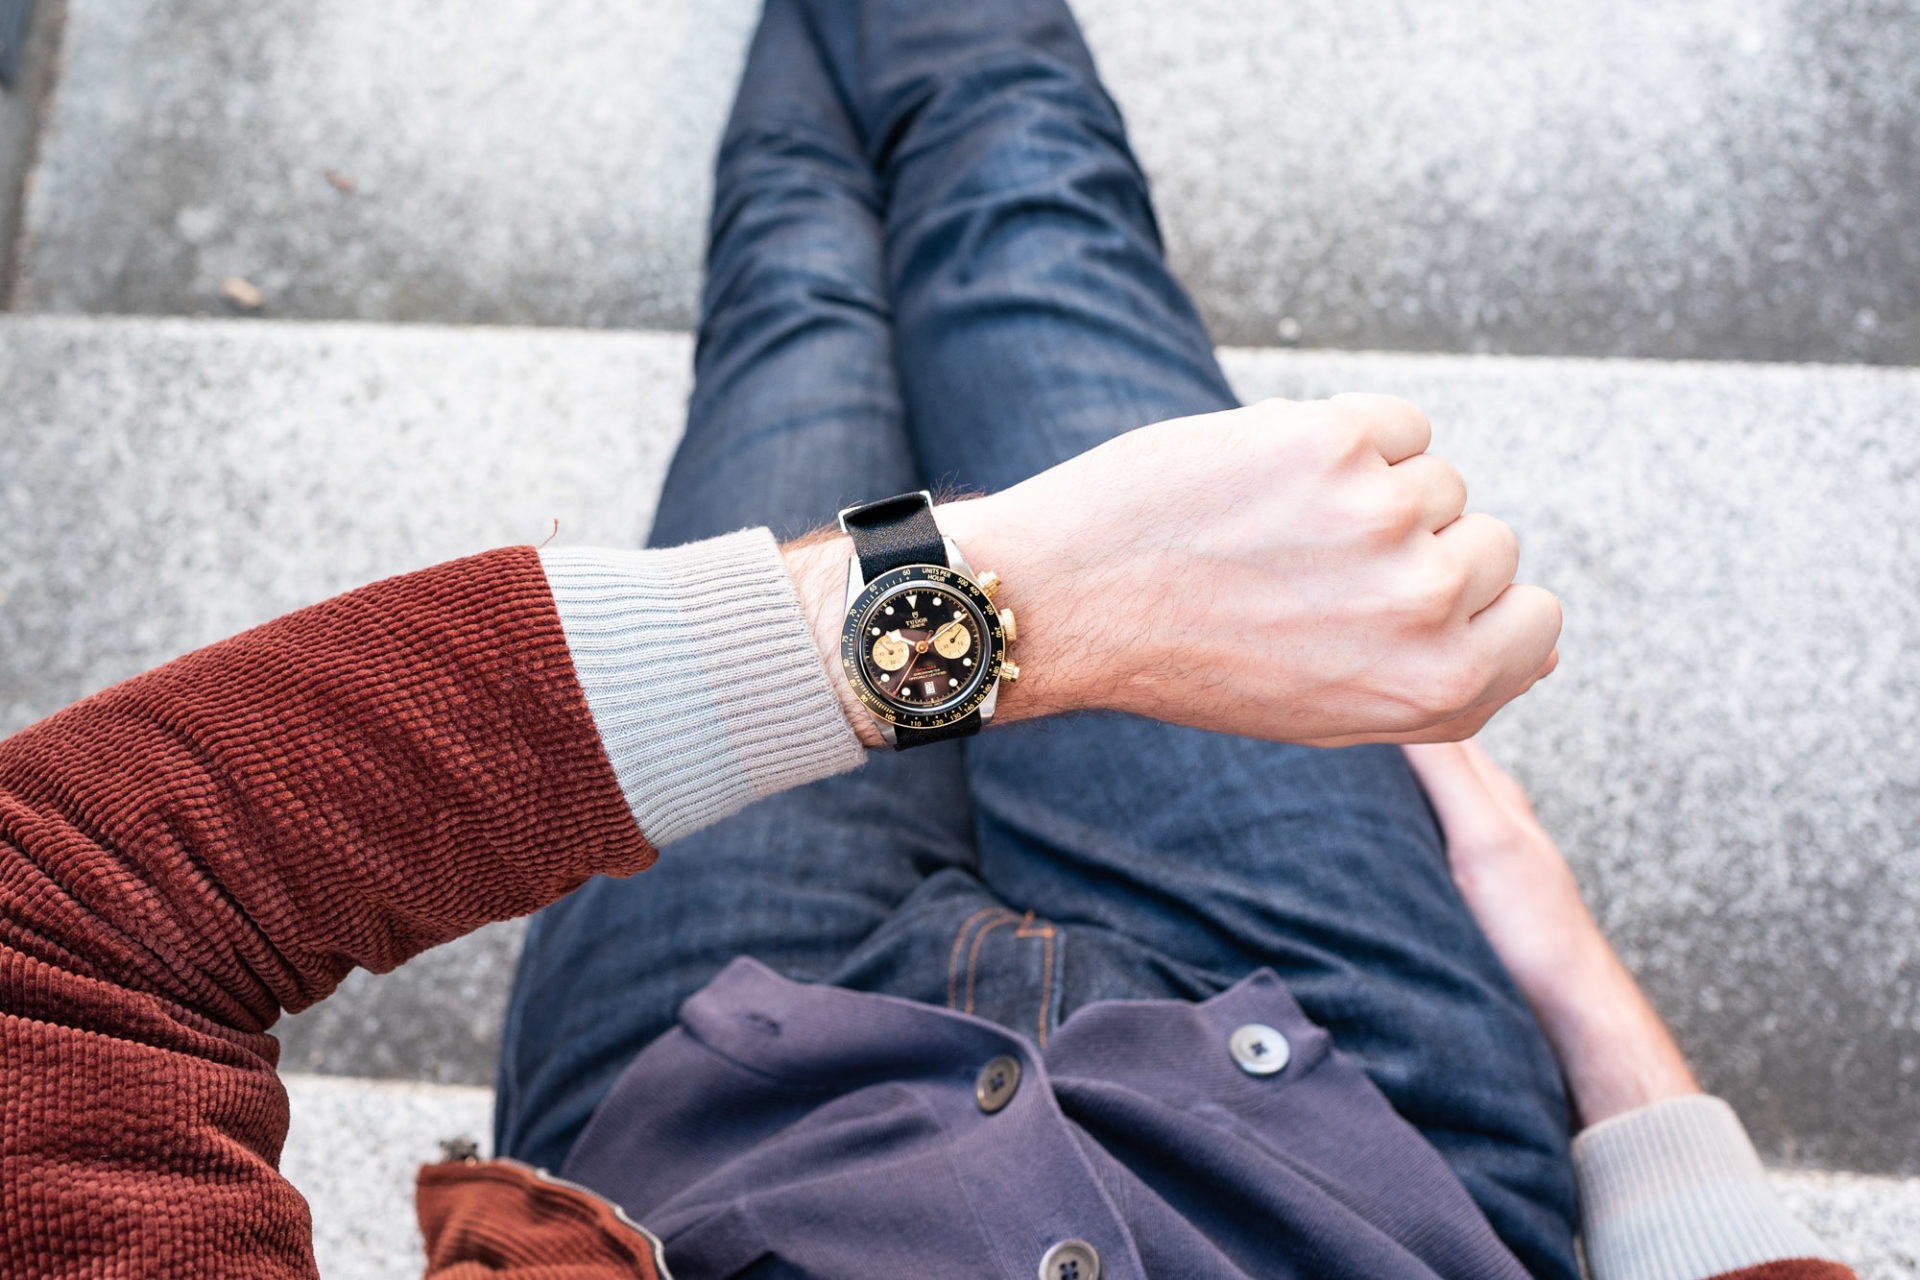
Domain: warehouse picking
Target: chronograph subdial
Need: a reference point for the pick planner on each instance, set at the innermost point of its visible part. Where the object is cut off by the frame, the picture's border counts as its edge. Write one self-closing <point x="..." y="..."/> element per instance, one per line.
<point x="953" y="640"/>
<point x="890" y="652"/>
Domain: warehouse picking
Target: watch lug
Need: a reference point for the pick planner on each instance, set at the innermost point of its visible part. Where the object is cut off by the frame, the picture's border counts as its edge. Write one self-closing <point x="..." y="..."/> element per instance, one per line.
<point x="955" y="560"/>
<point x="986" y="707"/>
<point x="855" y="583"/>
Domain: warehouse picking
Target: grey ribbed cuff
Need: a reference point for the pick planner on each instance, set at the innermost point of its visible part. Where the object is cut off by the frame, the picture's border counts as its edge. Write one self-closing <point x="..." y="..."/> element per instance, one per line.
<point x="701" y="675"/>
<point x="1675" y="1191"/>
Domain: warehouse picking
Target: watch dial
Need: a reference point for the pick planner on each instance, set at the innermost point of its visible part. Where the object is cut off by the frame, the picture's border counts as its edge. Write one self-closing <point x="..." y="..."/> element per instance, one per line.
<point x="922" y="646"/>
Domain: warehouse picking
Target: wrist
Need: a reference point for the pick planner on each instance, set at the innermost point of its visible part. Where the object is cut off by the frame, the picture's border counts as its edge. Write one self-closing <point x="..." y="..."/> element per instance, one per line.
<point x="1615" y="1051"/>
<point x="817" y="564"/>
<point x="1039" y="581"/>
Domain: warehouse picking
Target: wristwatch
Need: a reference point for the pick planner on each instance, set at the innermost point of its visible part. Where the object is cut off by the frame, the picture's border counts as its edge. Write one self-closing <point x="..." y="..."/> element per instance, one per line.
<point x="923" y="645"/>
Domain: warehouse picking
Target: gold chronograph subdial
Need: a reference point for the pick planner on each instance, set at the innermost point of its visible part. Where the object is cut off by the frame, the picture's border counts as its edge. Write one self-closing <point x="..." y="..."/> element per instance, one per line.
<point x="952" y="640"/>
<point x="890" y="652"/>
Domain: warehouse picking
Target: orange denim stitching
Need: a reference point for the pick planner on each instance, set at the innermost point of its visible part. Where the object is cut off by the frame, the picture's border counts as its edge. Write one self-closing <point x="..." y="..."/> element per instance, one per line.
<point x="973" y="959"/>
<point x="953" y="959"/>
<point x="1046" y="967"/>
<point x="1046" y="988"/>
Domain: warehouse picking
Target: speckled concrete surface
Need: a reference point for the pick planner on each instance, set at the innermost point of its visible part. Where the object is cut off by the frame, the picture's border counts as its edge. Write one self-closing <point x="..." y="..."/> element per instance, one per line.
<point x="1730" y="751"/>
<point x="352" y="1151"/>
<point x="1873" y="1222"/>
<point x="355" y="1145"/>
<point x="1730" y="178"/>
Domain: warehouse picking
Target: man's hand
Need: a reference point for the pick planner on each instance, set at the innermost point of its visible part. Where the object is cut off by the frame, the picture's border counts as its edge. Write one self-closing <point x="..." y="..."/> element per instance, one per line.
<point x="1615" y="1051"/>
<point x="1294" y="571"/>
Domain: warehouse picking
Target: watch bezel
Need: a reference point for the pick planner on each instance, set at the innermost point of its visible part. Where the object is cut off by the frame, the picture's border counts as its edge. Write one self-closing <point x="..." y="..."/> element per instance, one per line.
<point x="938" y="577"/>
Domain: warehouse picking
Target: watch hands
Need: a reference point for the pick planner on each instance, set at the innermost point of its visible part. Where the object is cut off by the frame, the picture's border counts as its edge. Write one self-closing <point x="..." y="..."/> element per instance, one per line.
<point x="951" y="640"/>
<point x="917" y="649"/>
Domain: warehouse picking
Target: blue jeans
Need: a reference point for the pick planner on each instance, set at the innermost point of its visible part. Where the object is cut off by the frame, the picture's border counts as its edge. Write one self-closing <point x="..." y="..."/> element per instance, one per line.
<point x="934" y="263"/>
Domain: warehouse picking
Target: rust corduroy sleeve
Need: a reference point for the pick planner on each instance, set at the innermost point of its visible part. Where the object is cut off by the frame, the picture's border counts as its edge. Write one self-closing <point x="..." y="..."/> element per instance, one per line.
<point x="190" y="852"/>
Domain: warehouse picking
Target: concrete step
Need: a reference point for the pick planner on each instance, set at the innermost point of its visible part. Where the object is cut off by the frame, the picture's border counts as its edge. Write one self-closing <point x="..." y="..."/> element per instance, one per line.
<point x="1726" y="179"/>
<point x="1728" y="751"/>
<point x="355" y="1145"/>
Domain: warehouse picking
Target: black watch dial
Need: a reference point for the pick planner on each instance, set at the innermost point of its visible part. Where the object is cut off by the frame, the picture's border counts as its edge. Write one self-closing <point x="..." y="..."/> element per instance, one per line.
<point x="922" y="645"/>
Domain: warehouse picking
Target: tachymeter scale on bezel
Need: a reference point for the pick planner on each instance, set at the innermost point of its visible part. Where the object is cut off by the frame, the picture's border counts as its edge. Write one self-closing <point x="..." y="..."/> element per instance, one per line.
<point x="923" y="642"/>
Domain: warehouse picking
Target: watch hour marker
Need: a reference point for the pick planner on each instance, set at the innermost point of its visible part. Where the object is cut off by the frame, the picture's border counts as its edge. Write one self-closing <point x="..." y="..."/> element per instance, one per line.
<point x="952" y="683"/>
<point x="876" y="631"/>
<point x="889" y="611"/>
<point x="884" y="679"/>
<point x="929" y="688"/>
<point x="969" y="661"/>
<point x="913" y="602"/>
<point x="959" y="614"/>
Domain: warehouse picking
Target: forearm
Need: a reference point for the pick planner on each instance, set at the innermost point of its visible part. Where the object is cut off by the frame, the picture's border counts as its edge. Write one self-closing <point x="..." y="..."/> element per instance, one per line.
<point x="1615" y="1052"/>
<point x="1670" y="1188"/>
<point x="351" y="783"/>
<point x="186" y="854"/>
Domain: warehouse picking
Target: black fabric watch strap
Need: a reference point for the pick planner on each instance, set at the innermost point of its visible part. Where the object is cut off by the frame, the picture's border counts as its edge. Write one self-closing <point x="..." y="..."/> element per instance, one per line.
<point x="894" y="531"/>
<point x="904" y="737"/>
<point x="886" y="535"/>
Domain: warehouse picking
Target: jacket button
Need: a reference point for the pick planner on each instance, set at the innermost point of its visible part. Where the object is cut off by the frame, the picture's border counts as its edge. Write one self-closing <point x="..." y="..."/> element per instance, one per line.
<point x="1260" y="1050"/>
<point x="995" y="1086"/>
<point x="1070" y="1260"/>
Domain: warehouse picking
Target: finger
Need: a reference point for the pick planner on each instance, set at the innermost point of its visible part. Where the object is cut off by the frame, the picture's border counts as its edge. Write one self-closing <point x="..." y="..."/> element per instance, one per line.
<point x="1448" y="776"/>
<point x="1468" y="809"/>
<point x="1396" y="427"/>
<point x="1488" y="552"/>
<point x="1441" y="489"/>
<point x="1500" y="784"/>
<point x="1460" y="728"/>
<point x="1513" y="640"/>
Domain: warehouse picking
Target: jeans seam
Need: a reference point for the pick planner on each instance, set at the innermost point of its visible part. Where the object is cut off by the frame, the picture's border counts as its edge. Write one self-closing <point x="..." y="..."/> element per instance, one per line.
<point x="1044" y="932"/>
<point x="953" y="957"/>
<point x="973" y="955"/>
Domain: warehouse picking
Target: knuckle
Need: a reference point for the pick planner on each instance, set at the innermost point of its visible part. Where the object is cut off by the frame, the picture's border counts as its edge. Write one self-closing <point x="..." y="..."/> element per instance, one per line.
<point x="1407" y="409"/>
<point x="1450" y="688"/>
<point x="1383" y="514"/>
<point x="1431" y="599"/>
<point x="1396" y="514"/>
<point x="1429" y="590"/>
<point x="1381" y="404"/>
<point x="1270" y="410"/>
<point x="1344" y="431"/>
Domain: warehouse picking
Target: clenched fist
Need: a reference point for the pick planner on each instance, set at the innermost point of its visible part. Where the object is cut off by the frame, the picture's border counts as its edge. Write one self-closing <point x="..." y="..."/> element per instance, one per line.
<point x="1299" y="571"/>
